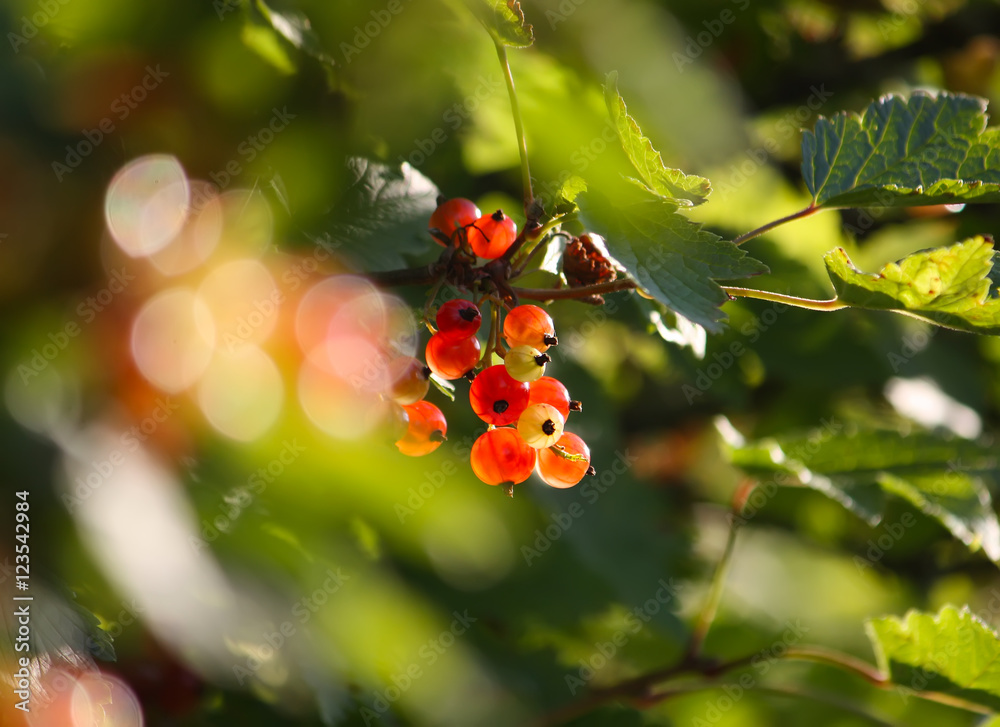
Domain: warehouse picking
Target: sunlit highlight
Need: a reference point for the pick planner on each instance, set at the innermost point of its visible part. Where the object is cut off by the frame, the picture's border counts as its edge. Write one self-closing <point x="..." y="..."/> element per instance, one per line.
<point x="173" y="337"/>
<point x="147" y="204"/>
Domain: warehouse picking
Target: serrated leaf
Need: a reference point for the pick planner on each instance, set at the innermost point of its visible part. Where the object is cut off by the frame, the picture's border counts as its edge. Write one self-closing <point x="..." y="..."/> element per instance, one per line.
<point x="928" y="149"/>
<point x="944" y="478"/>
<point x="685" y="189"/>
<point x="294" y="26"/>
<point x="383" y="216"/>
<point x="505" y="21"/>
<point x="64" y="634"/>
<point x="950" y="286"/>
<point x="671" y="258"/>
<point x="952" y="652"/>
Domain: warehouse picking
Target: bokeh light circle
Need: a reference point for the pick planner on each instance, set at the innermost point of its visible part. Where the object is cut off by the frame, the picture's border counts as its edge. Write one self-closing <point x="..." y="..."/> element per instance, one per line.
<point x="334" y="406"/>
<point x="104" y="700"/>
<point x="241" y="393"/>
<point x="147" y="204"/>
<point x="244" y="300"/>
<point x="173" y="338"/>
<point x="199" y="237"/>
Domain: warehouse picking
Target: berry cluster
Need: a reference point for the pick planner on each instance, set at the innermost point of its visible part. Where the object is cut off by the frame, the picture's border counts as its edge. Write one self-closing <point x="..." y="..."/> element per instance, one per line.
<point x="526" y="410"/>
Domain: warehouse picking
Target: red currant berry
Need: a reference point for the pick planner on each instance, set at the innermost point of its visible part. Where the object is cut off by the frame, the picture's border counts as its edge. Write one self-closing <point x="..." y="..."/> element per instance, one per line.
<point x="492" y="234"/>
<point x="529" y="325"/>
<point x="452" y="214"/>
<point x="500" y="456"/>
<point x="451" y="359"/>
<point x="540" y="426"/>
<point x="425" y="431"/>
<point x="548" y="390"/>
<point x="409" y="380"/>
<point x="458" y="319"/>
<point x="497" y="398"/>
<point x="562" y="471"/>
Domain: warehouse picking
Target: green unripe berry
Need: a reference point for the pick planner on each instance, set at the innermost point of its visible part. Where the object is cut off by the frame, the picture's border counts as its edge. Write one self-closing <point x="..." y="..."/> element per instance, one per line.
<point x="525" y="363"/>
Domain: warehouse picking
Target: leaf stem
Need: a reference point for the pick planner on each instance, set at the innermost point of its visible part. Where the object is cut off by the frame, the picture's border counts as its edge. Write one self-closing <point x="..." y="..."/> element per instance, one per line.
<point x="711" y="605"/>
<point x="792" y="300"/>
<point x="771" y="225"/>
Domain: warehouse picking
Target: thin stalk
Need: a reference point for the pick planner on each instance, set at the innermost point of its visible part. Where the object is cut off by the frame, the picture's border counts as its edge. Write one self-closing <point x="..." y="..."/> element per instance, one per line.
<point x="771" y="225"/>
<point x="711" y="606"/>
<point x="792" y="300"/>
<point x="522" y="145"/>
<point x="583" y="291"/>
<point x="819" y="697"/>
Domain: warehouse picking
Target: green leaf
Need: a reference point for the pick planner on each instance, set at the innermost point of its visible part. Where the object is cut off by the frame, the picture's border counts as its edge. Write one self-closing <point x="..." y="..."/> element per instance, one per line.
<point x="950" y="286"/>
<point x="293" y="26"/>
<point x="383" y="215"/>
<point x="685" y="189"/>
<point x="928" y="149"/>
<point x="670" y="257"/>
<point x="505" y="21"/>
<point x="953" y="653"/>
<point x="944" y="478"/>
<point x="445" y="387"/>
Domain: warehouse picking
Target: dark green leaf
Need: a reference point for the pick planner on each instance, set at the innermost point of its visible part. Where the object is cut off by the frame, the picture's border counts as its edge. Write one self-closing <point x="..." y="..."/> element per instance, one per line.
<point x="294" y="27"/>
<point x="944" y="478"/>
<point x="952" y="652"/>
<point x="670" y="257"/>
<point x="928" y="149"/>
<point x="949" y="286"/>
<point x="383" y="216"/>
<point x="685" y="189"/>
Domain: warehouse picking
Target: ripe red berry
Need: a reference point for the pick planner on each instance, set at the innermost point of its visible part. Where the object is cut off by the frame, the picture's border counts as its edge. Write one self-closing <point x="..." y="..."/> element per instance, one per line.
<point x="409" y="380"/>
<point x="529" y="325"/>
<point x="425" y="430"/>
<point x="559" y="471"/>
<point x="497" y="398"/>
<point x="458" y="319"/>
<point x="548" y="390"/>
<point x="500" y="456"/>
<point x="451" y="215"/>
<point x="452" y="359"/>
<point x="492" y="234"/>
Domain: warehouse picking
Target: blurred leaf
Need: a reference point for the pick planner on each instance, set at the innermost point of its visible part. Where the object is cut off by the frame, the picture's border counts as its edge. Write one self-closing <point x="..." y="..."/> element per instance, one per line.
<point x="685" y="189"/>
<point x="505" y="21"/>
<point x="943" y="477"/>
<point x="928" y="149"/>
<point x="950" y="286"/>
<point x="952" y="652"/>
<point x="383" y="215"/>
<point x="670" y="257"/>
<point x="293" y="26"/>
<point x="63" y="634"/>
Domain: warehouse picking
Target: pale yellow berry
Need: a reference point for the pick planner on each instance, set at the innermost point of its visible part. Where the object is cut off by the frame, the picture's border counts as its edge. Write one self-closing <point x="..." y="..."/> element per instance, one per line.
<point x="540" y="426"/>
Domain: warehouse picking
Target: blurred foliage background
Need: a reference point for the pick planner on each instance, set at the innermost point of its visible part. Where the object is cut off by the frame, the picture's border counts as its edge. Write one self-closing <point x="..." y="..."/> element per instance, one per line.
<point x="257" y="563"/>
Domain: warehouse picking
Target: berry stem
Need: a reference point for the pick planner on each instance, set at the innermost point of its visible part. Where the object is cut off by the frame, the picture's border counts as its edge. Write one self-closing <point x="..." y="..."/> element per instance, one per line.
<point x="771" y="225"/>
<point x="530" y="213"/>
<point x="582" y="291"/>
